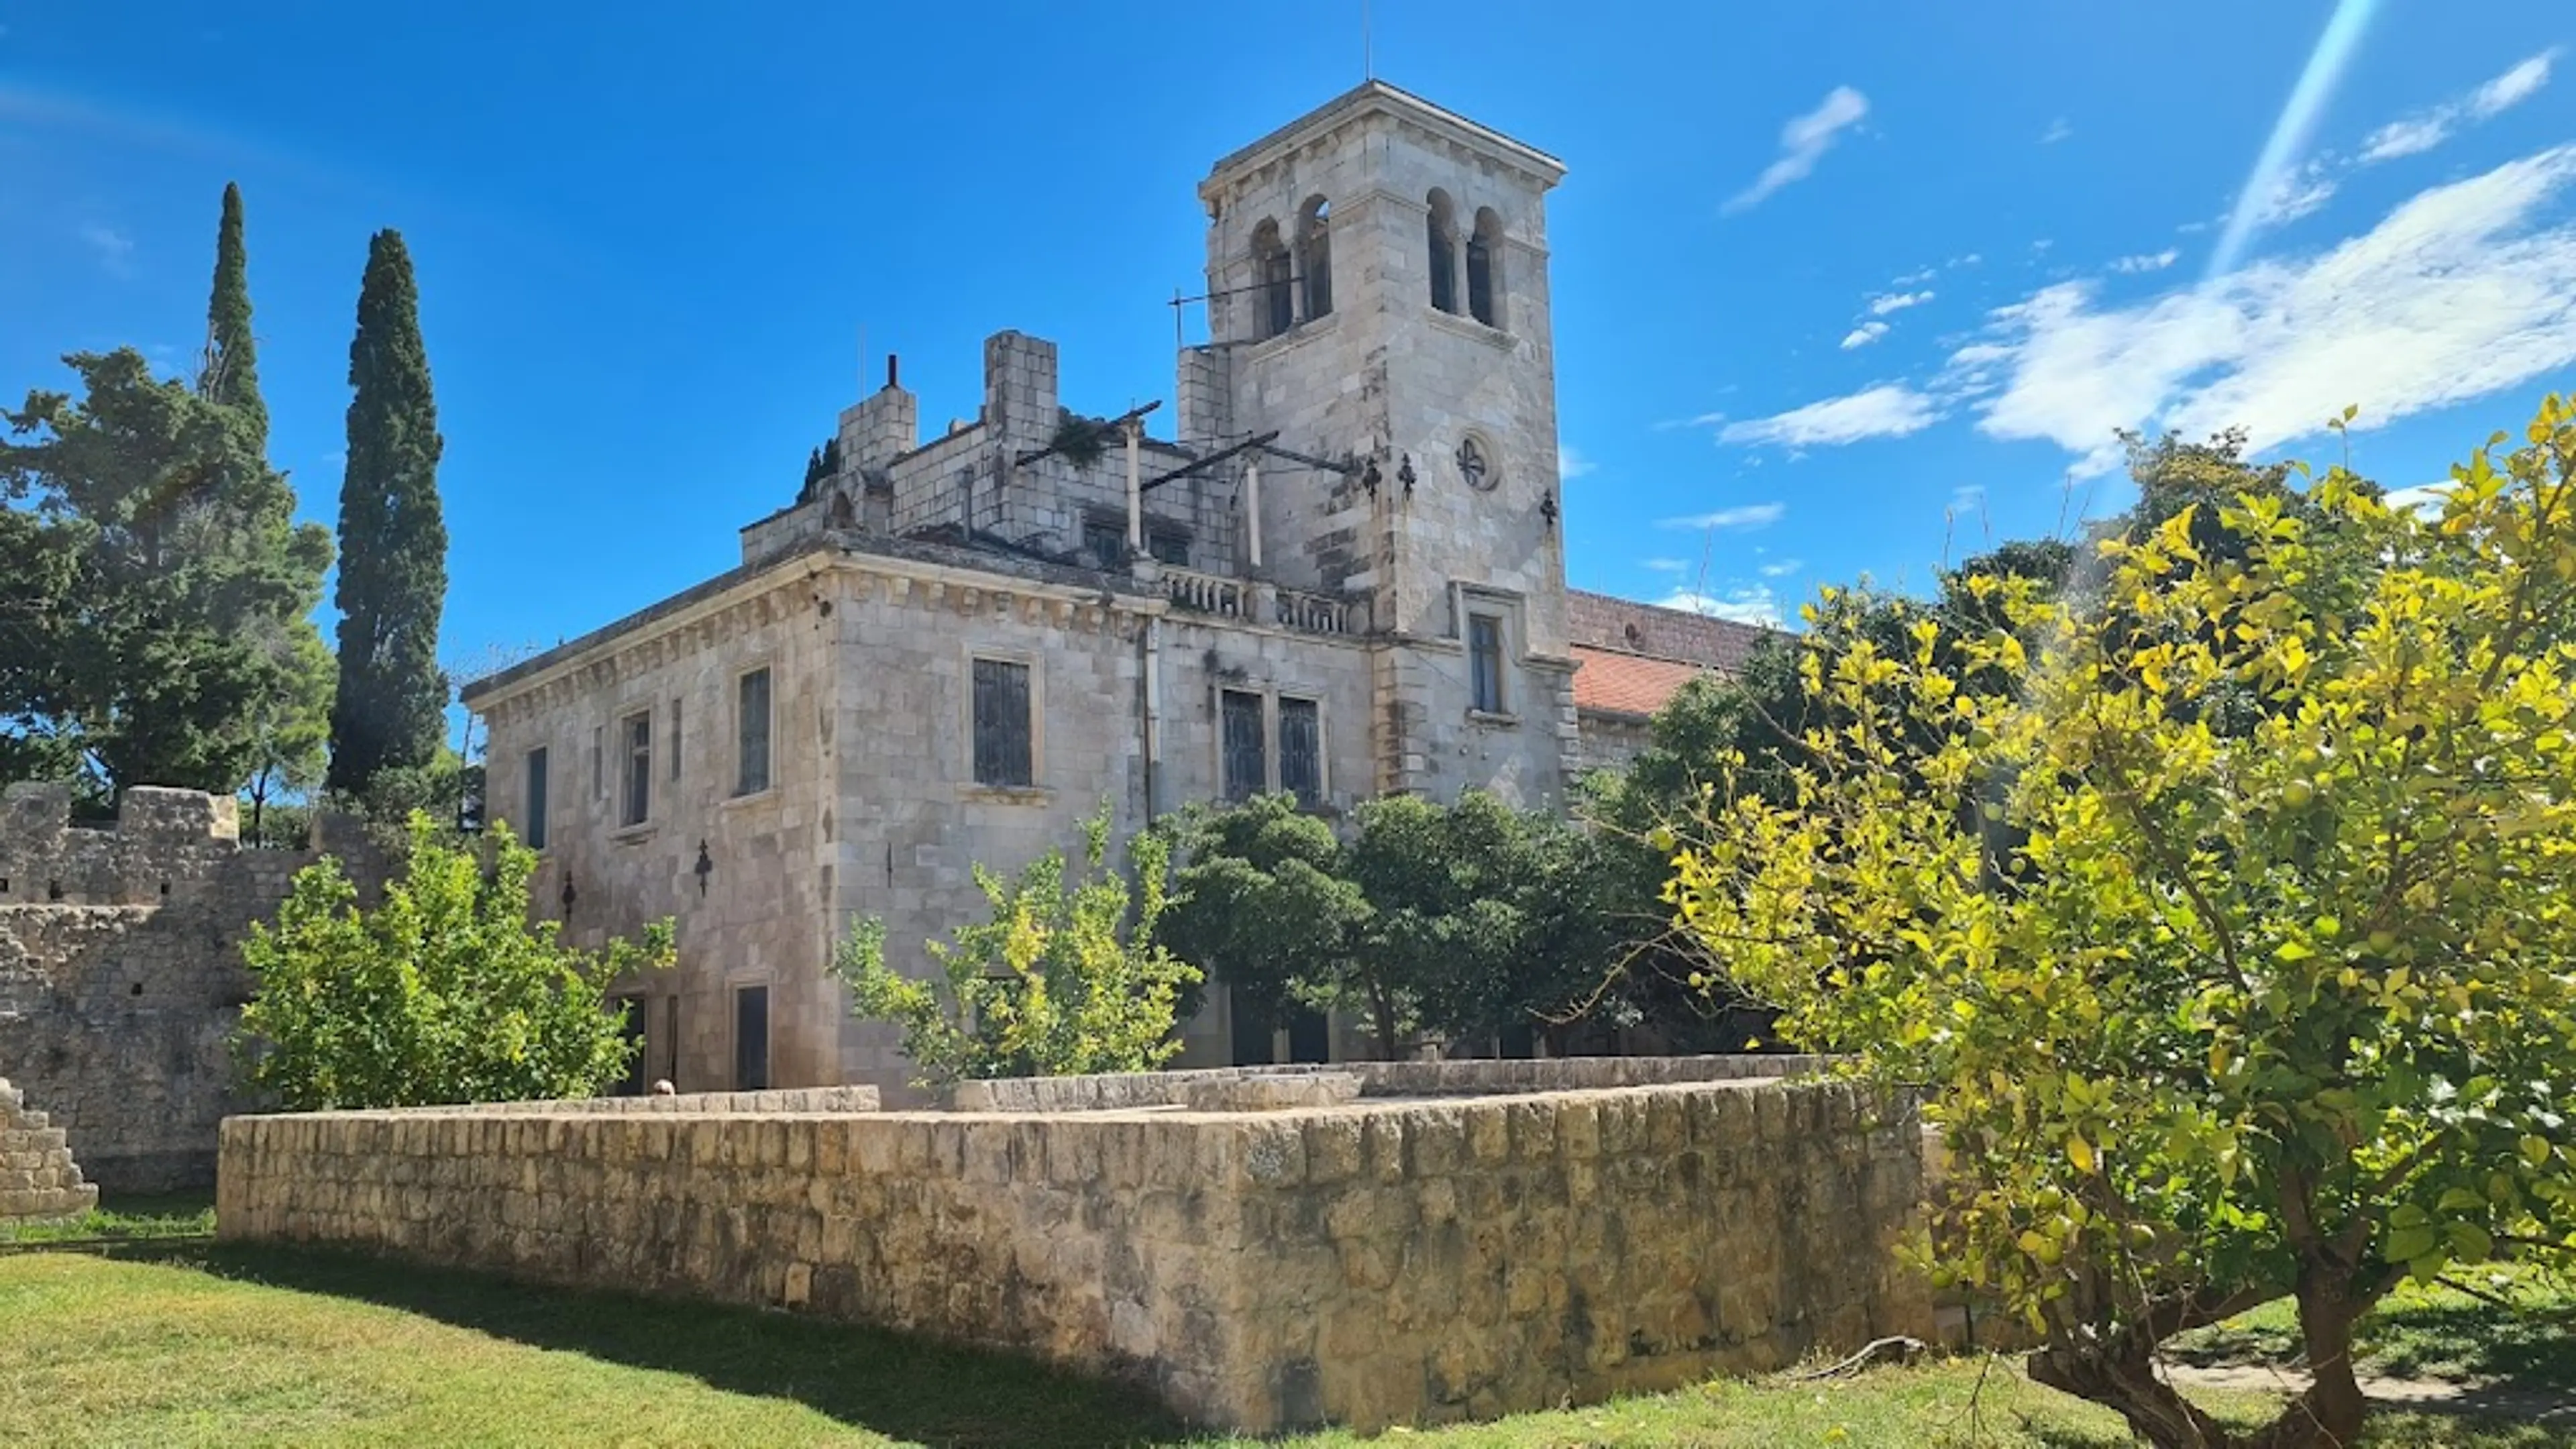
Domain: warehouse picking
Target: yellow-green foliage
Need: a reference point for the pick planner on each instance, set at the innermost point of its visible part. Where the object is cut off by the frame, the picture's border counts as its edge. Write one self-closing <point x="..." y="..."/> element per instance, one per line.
<point x="1064" y="979"/>
<point x="447" y="992"/>
<point x="2225" y="906"/>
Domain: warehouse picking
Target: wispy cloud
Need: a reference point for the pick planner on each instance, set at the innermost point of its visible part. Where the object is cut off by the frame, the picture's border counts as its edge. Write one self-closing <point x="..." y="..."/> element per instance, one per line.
<point x="2461" y="292"/>
<point x="1863" y="335"/>
<point x="1743" y="604"/>
<point x="1889" y="410"/>
<point x="2425" y="498"/>
<point x="1803" y="142"/>
<point x="1571" y="464"/>
<point x="1967" y="498"/>
<point x="113" y="248"/>
<point x="2426" y="129"/>
<point x="1742" y="518"/>
<point x="2058" y="130"/>
<point x="1665" y="565"/>
<point x="1880" y="306"/>
<point x="2147" y="261"/>
<point x="1782" y="568"/>
<point x="2456" y="294"/>
<point x="1919" y="274"/>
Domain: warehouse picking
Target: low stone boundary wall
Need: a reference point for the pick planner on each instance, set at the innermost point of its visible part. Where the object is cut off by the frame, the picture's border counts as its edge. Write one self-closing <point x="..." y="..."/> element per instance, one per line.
<point x="1462" y="1078"/>
<point x="39" y="1182"/>
<point x="1373" y="1263"/>
<point x="788" y="1099"/>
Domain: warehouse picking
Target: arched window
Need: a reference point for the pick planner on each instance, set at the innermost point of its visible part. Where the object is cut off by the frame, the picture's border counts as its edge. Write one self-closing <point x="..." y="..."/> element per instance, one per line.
<point x="1315" y="255"/>
<point x="1272" y="308"/>
<point x="1442" y="225"/>
<point x="1485" y="269"/>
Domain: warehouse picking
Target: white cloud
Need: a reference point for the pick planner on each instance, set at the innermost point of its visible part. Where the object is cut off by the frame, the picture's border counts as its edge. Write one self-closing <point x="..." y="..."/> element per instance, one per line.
<point x="1803" y="142"/>
<point x="2147" y="261"/>
<point x="1783" y="568"/>
<point x="1666" y="566"/>
<point x="1746" y="604"/>
<point x="113" y="248"/>
<point x="1970" y="260"/>
<point x="1889" y="410"/>
<point x="2057" y="131"/>
<point x="1703" y="420"/>
<point x="1740" y="519"/>
<point x="1921" y="274"/>
<point x="1571" y="464"/>
<point x="2426" y="498"/>
<point x="1880" y="306"/>
<point x="2298" y="191"/>
<point x="1863" y="335"/>
<point x="2456" y="294"/>
<point x="1967" y="498"/>
<point x="2426" y="129"/>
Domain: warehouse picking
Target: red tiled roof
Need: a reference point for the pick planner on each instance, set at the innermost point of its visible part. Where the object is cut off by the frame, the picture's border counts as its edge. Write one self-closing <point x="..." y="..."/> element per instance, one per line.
<point x="1628" y="627"/>
<point x="1608" y="682"/>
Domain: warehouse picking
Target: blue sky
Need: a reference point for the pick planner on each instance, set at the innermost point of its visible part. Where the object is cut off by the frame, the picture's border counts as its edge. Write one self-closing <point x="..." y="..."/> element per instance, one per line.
<point x="1841" y="289"/>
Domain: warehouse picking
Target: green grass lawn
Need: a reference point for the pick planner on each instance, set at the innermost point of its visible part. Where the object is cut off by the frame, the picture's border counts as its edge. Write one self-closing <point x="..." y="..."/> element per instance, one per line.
<point x="201" y="1344"/>
<point x="176" y="1215"/>
<point x="2522" y="1332"/>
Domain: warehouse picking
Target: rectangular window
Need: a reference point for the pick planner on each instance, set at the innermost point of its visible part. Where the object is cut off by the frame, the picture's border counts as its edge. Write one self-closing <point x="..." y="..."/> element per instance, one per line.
<point x="631" y="1011"/>
<point x="598" y="764"/>
<point x="1485" y="661"/>
<point x="751" y="715"/>
<point x="675" y="737"/>
<point x="1301" y="751"/>
<point x="533" y="819"/>
<point x="635" y="736"/>
<point x="1247" y="764"/>
<point x="1002" y="745"/>
<point x="1169" y="546"/>
<point x="751" y="1039"/>
<point x="1105" y="543"/>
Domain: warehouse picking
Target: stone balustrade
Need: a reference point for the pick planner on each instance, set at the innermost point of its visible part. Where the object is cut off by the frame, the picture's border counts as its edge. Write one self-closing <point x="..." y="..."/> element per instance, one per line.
<point x="1259" y="603"/>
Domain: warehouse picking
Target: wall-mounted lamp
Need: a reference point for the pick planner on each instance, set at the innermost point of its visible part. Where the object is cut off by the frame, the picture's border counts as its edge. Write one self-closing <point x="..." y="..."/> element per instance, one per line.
<point x="705" y="867"/>
<point x="1404" y="474"/>
<point x="1370" y="478"/>
<point x="1547" y="509"/>
<point x="569" y="895"/>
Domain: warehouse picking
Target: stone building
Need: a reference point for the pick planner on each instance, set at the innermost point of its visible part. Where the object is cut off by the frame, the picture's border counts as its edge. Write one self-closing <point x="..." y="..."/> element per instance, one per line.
<point x="1341" y="574"/>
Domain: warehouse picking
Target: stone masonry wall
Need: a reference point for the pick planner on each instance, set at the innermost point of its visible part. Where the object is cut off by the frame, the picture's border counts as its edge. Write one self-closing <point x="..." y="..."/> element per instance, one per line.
<point x="1373" y="1263"/>
<point x="121" y="975"/>
<point x="39" y="1182"/>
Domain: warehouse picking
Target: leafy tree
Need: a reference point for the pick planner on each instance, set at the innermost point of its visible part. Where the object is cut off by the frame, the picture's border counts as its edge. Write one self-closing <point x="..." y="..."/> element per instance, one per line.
<point x="1455" y="921"/>
<point x="447" y="992"/>
<point x="230" y="374"/>
<point x="2212" y="1008"/>
<point x="392" y="703"/>
<point x="1066" y="977"/>
<point x="168" y="585"/>
<point x="290" y="730"/>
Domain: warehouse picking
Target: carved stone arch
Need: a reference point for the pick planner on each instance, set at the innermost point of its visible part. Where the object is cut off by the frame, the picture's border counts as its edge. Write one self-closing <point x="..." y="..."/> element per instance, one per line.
<point x="1273" y="294"/>
<point x="1440" y="228"/>
<point x="1485" y="268"/>
<point x="1315" y="256"/>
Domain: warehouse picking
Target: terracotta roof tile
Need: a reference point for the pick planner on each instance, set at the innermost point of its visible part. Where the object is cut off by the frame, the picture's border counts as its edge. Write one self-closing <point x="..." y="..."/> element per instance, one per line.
<point x="1609" y="682"/>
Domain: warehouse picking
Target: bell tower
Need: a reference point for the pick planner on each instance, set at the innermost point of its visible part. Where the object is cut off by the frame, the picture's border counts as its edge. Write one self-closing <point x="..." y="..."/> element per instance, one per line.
<point x="1378" y="299"/>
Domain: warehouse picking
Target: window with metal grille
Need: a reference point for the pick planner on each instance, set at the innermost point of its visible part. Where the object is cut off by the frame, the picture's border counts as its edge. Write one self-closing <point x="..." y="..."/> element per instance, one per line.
<point x="751" y="1039"/>
<point x="751" y="716"/>
<point x="535" y="817"/>
<point x="1247" y="765"/>
<point x="1169" y="545"/>
<point x="1104" y="543"/>
<point x="1002" y="746"/>
<point x="1485" y="661"/>
<point x="1301" y="751"/>
<point x="637" y="804"/>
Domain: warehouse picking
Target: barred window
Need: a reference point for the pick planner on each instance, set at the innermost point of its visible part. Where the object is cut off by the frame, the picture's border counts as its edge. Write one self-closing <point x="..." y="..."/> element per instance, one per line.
<point x="1485" y="661"/>
<point x="1002" y="744"/>
<point x="751" y="715"/>
<point x="636" y="806"/>
<point x="1301" y="751"/>
<point x="1247" y="765"/>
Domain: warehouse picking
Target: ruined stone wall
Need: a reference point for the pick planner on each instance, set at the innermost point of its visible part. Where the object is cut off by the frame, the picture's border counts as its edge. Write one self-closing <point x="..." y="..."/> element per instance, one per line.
<point x="39" y="1182"/>
<point x="121" y="975"/>
<point x="1373" y="1263"/>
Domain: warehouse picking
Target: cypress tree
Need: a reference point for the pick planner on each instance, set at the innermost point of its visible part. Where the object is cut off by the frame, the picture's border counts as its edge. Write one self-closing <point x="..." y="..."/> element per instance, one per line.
<point x="231" y="375"/>
<point x="390" y="713"/>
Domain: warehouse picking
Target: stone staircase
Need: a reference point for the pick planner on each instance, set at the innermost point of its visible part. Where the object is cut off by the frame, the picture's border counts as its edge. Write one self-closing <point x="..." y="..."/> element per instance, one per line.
<point x="39" y="1182"/>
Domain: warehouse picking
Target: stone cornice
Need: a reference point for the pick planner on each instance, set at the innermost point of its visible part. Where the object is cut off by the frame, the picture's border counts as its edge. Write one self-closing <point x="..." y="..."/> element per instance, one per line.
<point x="1359" y="106"/>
